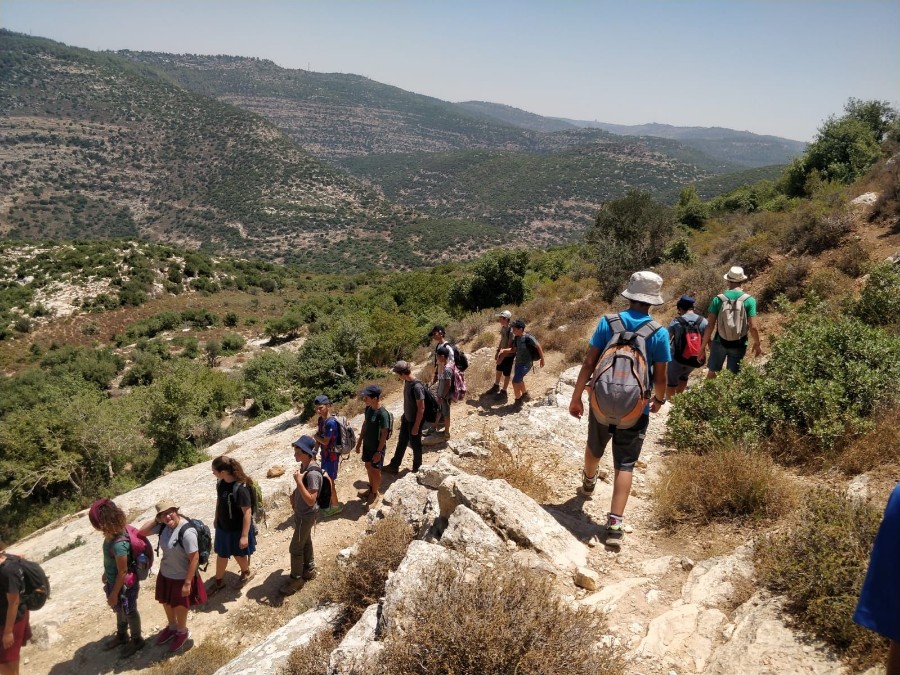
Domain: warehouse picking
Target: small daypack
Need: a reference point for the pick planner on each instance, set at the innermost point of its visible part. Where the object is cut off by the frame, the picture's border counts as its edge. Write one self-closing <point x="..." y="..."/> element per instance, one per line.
<point x="140" y="555"/>
<point x="733" y="323"/>
<point x="390" y="427"/>
<point x="204" y="540"/>
<point x="531" y="345"/>
<point x="432" y="406"/>
<point x="458" y="387"/>
<point x="620" y="386"/>
<point x="323" y="497"/>
<point x="346" y="440"/>
<point x="687" y="340"/>
<point x="460" y="358"/>
<point x="35" y="581"/>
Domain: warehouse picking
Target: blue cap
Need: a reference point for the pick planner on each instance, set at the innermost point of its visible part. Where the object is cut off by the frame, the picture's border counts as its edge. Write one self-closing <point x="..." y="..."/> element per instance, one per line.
<point x="373" y="390"/>
<point x="306" y="444"/>
<point x="322" y="399"/>
<point x="685" y="302"/>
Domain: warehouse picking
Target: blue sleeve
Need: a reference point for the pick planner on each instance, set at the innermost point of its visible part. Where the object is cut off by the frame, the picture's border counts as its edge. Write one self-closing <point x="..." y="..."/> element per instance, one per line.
<point x="659" y="350"/>
<point x="331" y="432"/>
<point x="878" y="608"/>
<point x="602" y="334"/>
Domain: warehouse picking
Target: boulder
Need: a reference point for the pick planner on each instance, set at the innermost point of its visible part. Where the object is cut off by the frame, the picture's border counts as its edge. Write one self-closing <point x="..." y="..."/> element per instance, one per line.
<point x="683" y="637"/>
<point x="432" y="475"/>
<point x="514" y="516"/>
<point x="358" y="652"/>
<point x="587" y="578"/>
<point x="710" y="583"/>
<point x="467" y="533"/>
<point x="275" y="471"/>
<point x="405" y="497"/>
<point x="269" y="656"/>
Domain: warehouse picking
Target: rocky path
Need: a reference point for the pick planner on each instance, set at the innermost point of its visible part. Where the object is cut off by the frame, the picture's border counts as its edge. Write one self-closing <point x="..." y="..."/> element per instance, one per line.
<point x="670" y="613"/>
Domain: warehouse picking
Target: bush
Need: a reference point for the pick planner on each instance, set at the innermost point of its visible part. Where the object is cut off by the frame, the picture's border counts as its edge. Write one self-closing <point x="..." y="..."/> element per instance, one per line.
<point x="496" y="279"/>
<point x="505" y="619"/>
<point x="203" y="659"/>
<point x="853" y="260"/>
<point x="516" y="467"/>
<point x="819" y="565"/>
<point x="828" y="282"/>
<point x="313" y="657"/>
<point x="230" y="320"/>
<point x="727" y="484"/>
<point x="875" y="448"/>
<point x="701" y="282"/>
<point x="879" y="300"/>
<point x="814" y="232"/>
<point x="786" y="278"/>
<point x="232" y="343"/>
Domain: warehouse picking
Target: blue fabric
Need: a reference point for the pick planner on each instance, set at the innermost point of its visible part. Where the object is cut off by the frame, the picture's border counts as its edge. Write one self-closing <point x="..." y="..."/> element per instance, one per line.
<point x="521" y="371"/>
<point x="330" y="466"/>
<point x="228" y="543"/>
<point x="878" y="608"/>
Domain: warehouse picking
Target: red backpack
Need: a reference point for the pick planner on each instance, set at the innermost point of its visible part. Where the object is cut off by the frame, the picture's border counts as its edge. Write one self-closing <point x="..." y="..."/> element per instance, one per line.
<point x="686" y="341"/>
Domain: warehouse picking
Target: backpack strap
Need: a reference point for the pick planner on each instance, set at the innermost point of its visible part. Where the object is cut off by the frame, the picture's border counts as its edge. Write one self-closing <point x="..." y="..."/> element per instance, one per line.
<point x="188" y="526"/>
<point x="723" y="298"/>
<point x="648" y="329"/>
<point x="615" y="322"/>
<point x="743" y="298"/>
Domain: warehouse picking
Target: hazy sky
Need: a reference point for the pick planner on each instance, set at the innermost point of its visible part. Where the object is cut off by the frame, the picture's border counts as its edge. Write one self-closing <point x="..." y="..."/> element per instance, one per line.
<point x="769" y="66"/>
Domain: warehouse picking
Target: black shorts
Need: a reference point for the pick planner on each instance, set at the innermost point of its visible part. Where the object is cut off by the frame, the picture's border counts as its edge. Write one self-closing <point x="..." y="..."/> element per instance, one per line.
<point x="505" y="366"/>
<point x="627" y="443"/>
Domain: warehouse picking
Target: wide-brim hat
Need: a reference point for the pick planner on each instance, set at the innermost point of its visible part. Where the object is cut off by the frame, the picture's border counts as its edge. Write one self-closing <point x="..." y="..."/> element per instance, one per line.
<point x="644" y="287"/>
<point x="165" y="504"/>
<point x="505" y="314"/>
<point x="735" y="274"/>
<point x="306" y="444"/>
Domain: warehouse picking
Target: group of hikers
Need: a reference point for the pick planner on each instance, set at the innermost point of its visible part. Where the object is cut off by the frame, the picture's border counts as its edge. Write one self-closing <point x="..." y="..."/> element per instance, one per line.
<point x="632" y="368"/>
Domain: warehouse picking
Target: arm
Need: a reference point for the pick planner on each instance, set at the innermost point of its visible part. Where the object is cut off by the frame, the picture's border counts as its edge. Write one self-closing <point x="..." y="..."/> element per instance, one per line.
<point x="147" y="528"/>
<point x="309" y="498"/>
<point x="540" y="351"/>
<point x="420" y="413"/>
<point x="245" y="528"/>
<point x="708" y="333"/>
<point x="121" y="569"/>
<point x="193" y="561"/>
<point x="382" y="441"/>
<point x="754" y="333"/>
<point x="576" y="407"/>
<point x="659" y="386"/>
<point x="12" y="600"/>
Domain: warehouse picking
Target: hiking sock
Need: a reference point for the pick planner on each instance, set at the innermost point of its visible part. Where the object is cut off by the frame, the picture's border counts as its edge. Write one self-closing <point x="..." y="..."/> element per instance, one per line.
<point x="612" y="520"/>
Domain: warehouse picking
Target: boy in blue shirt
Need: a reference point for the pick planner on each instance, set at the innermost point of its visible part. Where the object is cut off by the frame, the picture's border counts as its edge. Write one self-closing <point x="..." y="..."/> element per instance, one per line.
<point x="327" y="439"/>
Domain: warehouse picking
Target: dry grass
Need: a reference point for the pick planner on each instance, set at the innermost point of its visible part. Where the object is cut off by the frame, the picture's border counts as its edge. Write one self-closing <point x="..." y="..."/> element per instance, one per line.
<point x="486" y="338"/>
<point x="203" y="659"/>
<point x="496" y="620"/>
<point x="726" y="484"/>
<point x="390" y="384"/>
<point x="828" y="282"/>
<point x="516" y="467"/>
<point x="876" y="448"/>
<point x="480" y="376"/>
<point x="312" y="658"/>
<point x="360" y="583"/>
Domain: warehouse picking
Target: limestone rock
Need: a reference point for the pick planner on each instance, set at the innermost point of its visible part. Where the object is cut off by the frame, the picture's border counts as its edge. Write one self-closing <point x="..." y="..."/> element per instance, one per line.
<point x="275" y="471"/>
<point x="687" y="564"/>
<point x="607" y="598"/>
<point x="514" y="516"/>
<point x="656" y="567"/>
<point x="432" y="475"/>
<point x="468" y="533"/>
<point x="463" y="448"/>
<point x="406" y="498"/>
<point x="685" y="635"/>
<point x="587" y="578"/>
<point x="866" y="199"/>
<point x="358" y="651"/>
<point x="858" y="489"/>
<point x="710" y="582"/>
<point x="269" y="656"/>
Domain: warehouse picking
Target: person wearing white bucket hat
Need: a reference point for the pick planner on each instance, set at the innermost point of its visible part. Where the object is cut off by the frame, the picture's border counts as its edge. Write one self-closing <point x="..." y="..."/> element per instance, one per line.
<point x="504" y="365"/>
<point x="732" y="317"/>
<point x="635" y="327"/>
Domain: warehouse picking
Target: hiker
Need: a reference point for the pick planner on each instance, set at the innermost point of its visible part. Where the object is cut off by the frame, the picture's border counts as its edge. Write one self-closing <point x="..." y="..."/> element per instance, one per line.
<point x="373" y="439"/>
<point x="444" y="391"/>
<point x="307" y="481"/>
<point x="643" y="291"/>
<point x="505" y="363"/>
<point x="438" y="336"/>
<point x="327" y="440"/>
<point x="685" y="341"/>
<point x="526" y="349"/>
<point x="13" y="614"/>
<point x="178" y="583"/>
<point x="411" y="422"/>
<point x="878" y="608"/>
<point x="235" y="533"/>
<point x="732" y="315"/>
<point x="120" y="587"/>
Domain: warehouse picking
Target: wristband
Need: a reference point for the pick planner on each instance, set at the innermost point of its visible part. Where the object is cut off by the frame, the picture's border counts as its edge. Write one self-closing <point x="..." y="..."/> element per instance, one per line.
<point x="661" y="402"/>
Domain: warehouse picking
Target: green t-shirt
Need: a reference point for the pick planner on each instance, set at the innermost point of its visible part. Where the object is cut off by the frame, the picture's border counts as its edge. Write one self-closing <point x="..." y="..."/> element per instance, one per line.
<point x="111" y="550"/>
<point x="376" y="421"/>
<point x="749" y="307"/>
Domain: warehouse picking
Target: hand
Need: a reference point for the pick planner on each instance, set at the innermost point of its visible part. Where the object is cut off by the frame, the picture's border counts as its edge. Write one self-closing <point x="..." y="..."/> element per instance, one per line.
<point x="112" y="601"/>
<point x="377" y="457"/>
<point x="655" y="405"/>
<point x="298" y="475"/>
<point x="243" y="542"/>
<point x="701" y="358"/>
<point x="542" y="362"/>
<point x="576" y="408"/>
<point x="414" y="431"/>
<point x="8" y="639"/>
<point x="185" y="589"/>
<point x="757" y="349"/>
<point x="357" y="448"/>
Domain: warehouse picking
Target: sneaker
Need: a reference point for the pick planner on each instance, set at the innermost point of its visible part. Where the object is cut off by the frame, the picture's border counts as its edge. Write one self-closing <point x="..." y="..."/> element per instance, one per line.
<point x="180" y="639"/>
<point x="214" y="586"/>
<point x="524" y="398"/>
<point x="373" y="500"/>
<point x="436" y="438"/>
<point x="588" y="484"/>
<point x="614" y="536"/>
<point x="291" y="586"/>
<point x="247" y="576"/>
<point x="310" y="573"/>
<point x="333" y="510"/>
<point x="364" y="494"/>
<point x="390" y="468"/>
<point x="114" y="641"/>
<point x="493" y="390"/>
<point x="132" y="648"/>
<point x="501" y="395"/>
<point x="167" y="634"/>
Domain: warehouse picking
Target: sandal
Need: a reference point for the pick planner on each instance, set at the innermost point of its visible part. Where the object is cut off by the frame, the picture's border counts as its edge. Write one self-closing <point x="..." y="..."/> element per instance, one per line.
<point x="215" y="586"/>
<point x="247" y="576"/>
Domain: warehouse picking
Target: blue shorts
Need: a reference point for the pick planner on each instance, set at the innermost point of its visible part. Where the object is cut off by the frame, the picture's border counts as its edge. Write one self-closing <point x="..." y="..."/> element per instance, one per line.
<point x="521" y="371"/>
<point x="719" y="353"/>
<point x="228" y="543"/>
<point x="330" y="466"/>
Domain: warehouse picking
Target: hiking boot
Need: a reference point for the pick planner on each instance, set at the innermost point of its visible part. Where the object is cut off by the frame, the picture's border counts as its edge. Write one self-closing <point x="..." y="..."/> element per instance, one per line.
<point x="114" y="641"/>
<point x="132" y="648"/>
<point x="364" y="494"/>
<point x="614" y="536"/>
<point x="436" y="438"/>
<point x="310" y="573"/>
<point x="492" y="390"/>
<point x="247" y="576"/>
<point x="291" y="586"/>
<point x="390" y="468"/>
<point x="501" y="395"/>
<point x="180" y="639"/>
<point x="165" y="635"/>
<point x="332" y="510"/>
<point x="525" y="398"/>
<point x="588" y="484"/>
<point x="214" y="586"/>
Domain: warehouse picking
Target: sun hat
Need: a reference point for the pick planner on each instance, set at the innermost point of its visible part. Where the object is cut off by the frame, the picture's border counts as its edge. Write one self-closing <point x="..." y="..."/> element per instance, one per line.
<point x="306" y="444"/>
<point x="165" y="505"/>
<point x="373" y="390"/>
<point x="506" y="314"/>
<point x="518" y="323"/>
<point x="402" y="368"/>
<point x="322" y="399"/>
<point x="644" y="286"/>
<point x="437" y="329"/>
<point x="686" y="302"/>
<point x="735" y="274"/>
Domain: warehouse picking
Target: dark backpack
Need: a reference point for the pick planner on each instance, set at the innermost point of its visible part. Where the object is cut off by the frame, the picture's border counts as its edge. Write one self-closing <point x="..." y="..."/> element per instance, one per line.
<point x="256" y="500"/>
<point x="620" y="385"/>
<point x="460" y="358"/>
<point x="531" y="345"/>
<point x="35" y="581"/>
<point x="390" y="426"/>
<point x="432" y="406"/>
<point x="204" y="540"/>
<point x="140" y="554"/>
<point x="346" y="440"/>
<point x="686" y="341"/>
<point x="323" y="498"/>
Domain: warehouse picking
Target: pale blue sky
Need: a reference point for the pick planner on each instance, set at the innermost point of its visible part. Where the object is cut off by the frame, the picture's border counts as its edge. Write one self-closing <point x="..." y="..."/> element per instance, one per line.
<point x="768" y="66"/>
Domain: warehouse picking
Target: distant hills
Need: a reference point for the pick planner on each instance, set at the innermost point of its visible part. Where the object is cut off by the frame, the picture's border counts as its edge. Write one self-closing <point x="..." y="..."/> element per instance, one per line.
<point x="240" y="155"/>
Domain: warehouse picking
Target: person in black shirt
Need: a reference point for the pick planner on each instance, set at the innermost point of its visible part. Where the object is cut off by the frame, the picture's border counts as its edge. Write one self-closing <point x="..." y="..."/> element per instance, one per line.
<point x="235" y="534"/>
<point x="13" y="614"/>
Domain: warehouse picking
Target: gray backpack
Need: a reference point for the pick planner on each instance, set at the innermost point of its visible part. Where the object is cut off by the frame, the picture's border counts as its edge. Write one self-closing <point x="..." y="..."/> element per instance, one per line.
<point x="620" y="386"/>
<point x="732" y="324"/>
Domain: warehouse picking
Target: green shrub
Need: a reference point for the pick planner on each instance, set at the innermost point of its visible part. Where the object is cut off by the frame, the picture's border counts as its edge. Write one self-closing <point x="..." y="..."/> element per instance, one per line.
<point x="785" y="278"/>
<point x="819" y="565"/>
<point x="879" y="300"/>
<point x="828" y="282"/>
<point x="814" y="232"/>
<point x="496" y="279"/>
<point x="267" y="380"/>
<point x="230" y="320"/>
<point x="853" y="260"/>
<point x="232" y="343"/>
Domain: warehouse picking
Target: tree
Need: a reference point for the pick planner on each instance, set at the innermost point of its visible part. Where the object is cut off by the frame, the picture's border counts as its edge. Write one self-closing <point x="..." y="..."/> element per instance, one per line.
<point x="690" y="210"/>
<point x="498" y="278"/>
<point x="629" y="234"/>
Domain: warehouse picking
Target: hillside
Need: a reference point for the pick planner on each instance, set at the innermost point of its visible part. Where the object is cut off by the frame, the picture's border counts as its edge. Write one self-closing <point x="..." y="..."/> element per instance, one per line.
<point x="517" y="117"/>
